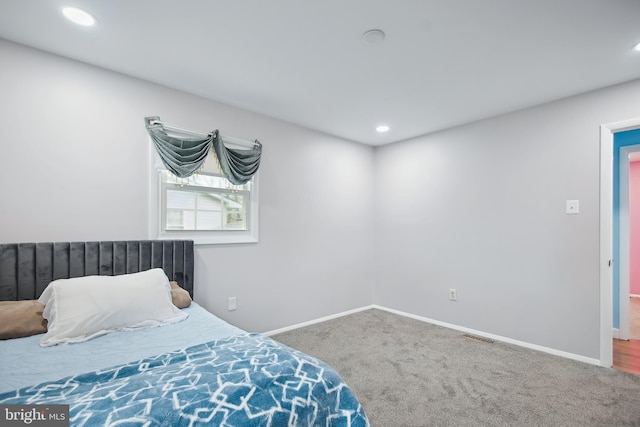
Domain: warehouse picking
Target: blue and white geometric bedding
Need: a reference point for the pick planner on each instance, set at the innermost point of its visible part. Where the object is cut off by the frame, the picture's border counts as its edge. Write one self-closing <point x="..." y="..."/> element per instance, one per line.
<point x="241" y="381"/>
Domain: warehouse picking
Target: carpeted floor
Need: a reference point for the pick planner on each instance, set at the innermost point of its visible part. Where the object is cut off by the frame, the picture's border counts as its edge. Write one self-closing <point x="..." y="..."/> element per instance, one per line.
<point x="410" y="373"/>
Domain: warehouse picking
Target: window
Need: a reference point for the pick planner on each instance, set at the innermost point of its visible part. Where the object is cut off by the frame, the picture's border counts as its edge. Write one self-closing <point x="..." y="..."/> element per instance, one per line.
<point x="204" y="207"/>
<point x="203" y="202"/>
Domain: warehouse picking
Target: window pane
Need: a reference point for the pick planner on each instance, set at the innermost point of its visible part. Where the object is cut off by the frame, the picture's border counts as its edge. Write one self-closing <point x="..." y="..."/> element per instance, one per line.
<point x="235" y="211"/>
<point x="209" y="220"/>
<point x="180" y="199"/>
<point x="209" y="201"/>
<point x="189" y="220"/>
<point x="180" y="220"/>
<point x="234" y="201"/>
<point x="174" y="220"/>
<point x="235" y="221"/>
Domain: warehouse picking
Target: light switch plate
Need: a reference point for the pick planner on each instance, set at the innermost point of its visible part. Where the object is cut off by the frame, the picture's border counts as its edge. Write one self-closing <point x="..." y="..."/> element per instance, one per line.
<point x="573" y="207"/>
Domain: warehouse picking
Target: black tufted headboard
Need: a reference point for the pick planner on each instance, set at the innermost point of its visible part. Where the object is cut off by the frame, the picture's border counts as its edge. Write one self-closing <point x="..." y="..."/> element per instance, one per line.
<point x="27" y="268"/>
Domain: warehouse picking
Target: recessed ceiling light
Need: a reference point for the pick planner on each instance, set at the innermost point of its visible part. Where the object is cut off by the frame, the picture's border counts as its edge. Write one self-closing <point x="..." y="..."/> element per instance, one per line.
<point x="373" y="36"/>
<point x="383" y="128"/>
<point x="637" y="47"/>
<point x="78" y="16"/>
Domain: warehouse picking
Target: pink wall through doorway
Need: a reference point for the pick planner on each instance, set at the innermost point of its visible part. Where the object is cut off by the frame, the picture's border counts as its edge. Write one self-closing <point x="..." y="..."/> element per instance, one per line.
<point x="634" y="227"/>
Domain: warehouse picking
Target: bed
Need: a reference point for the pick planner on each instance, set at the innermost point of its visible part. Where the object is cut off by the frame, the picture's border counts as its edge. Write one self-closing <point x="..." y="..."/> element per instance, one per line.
<point x="193" y="369"/>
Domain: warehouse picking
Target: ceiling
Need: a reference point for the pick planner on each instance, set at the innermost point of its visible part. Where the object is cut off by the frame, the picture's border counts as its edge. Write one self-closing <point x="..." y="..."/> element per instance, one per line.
<point x="441" y="64"/>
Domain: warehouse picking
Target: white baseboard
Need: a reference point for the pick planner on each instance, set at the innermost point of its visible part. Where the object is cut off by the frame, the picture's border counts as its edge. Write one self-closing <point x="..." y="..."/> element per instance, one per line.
<point x="495" y="337"/>
<point x="320" y="320"/>
<point x="524" y="344"/>
<point x="616" y="333"/>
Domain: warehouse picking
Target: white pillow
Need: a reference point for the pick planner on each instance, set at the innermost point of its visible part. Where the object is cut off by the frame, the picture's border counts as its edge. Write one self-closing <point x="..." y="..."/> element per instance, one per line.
<point x="86" y="307"/>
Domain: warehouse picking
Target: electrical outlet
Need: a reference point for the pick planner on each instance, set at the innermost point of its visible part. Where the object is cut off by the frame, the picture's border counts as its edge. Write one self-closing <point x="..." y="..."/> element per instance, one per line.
<point x="453" y="294"/>
<point x="231" y="303"/>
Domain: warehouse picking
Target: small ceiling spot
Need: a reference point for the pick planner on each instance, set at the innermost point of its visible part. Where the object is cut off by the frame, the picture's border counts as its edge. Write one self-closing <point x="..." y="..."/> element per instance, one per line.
<point x="373" y="36"/>
<point x="383" y="128"/>
<point x="637" y="47"/>
<point x="79" y="16"/>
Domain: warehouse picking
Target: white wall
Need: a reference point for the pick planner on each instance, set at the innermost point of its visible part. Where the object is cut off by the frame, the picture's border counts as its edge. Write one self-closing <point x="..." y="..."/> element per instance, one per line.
<point x="481" y="208"/>
<point x="74" y="153"/>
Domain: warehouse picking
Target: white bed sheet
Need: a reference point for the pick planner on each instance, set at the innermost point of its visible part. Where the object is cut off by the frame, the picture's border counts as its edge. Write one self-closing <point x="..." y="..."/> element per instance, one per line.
<point x="23" y="362"/>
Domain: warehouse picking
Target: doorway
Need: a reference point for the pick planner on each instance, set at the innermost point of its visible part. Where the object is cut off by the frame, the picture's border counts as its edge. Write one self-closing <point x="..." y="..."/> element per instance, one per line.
<point x="626" y="346"/>
<point x="607" y="259"/>
<point x="626" y="149"/>
<point x="634" y="245"/>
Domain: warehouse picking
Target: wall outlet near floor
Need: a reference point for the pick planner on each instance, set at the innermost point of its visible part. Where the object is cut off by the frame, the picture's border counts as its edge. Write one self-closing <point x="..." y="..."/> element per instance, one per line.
<point x="231" y="303"/>
<point x="453" y="294"/>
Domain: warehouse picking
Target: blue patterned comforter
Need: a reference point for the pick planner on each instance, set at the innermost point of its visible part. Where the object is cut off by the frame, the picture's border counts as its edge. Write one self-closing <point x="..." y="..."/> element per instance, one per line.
<point x="241" y="381"/>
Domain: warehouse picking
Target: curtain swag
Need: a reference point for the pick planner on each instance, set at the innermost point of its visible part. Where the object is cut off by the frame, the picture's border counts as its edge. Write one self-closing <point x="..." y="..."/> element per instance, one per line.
<point x="184" y="156"/>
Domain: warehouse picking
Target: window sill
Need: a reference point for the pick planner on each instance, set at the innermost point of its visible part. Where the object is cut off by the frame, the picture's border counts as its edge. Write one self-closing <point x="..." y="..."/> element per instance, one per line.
<point x="224" y="238"/>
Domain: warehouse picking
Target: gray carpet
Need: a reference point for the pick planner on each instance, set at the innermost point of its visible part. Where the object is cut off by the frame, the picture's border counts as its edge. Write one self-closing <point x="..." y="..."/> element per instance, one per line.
<point x="410" y="373"/>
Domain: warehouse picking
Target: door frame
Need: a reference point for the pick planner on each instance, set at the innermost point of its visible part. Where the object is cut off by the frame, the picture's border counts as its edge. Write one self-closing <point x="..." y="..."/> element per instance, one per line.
<point x="607" y="132"/>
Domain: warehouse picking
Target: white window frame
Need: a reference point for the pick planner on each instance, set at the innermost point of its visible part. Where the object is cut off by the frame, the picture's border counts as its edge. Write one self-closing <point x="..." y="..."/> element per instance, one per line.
<point x="200" y="237"/>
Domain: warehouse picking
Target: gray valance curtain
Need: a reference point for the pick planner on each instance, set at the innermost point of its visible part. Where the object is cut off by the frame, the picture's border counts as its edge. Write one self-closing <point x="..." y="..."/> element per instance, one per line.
<point x="184" y="156"/>
<point x="238" y="166"/>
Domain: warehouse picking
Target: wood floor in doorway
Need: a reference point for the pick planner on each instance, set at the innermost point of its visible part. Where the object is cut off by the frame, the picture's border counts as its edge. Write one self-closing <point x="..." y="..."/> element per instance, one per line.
<point x="626" y="354"/>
